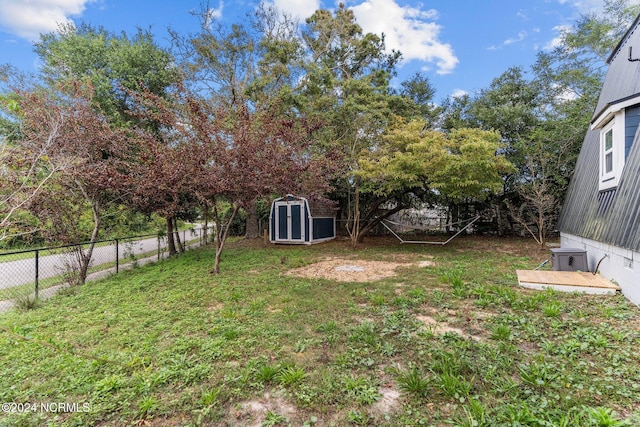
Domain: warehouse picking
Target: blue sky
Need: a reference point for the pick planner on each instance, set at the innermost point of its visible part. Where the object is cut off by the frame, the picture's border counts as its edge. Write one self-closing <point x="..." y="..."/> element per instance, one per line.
<point x="461" y="45"/>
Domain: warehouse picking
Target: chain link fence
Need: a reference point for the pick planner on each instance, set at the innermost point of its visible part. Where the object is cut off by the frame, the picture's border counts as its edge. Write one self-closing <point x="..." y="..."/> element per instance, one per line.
<point x="28" y="275"/>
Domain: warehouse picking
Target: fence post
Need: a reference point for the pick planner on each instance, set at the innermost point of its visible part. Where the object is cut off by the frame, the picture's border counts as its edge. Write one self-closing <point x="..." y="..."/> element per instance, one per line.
<point x="117" y="257"/>
<point x="37" y="271"/>
<point x="158" y="247"/>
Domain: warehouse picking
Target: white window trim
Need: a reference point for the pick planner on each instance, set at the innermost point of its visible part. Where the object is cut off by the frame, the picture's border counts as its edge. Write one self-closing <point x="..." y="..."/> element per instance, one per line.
<point x="603" y="118"/>
<point x="606" y="176"/>
<point x="616" y="126"/>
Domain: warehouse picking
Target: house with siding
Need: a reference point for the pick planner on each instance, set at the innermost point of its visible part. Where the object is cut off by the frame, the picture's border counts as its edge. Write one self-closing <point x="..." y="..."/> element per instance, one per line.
<point x="601" y="213"/>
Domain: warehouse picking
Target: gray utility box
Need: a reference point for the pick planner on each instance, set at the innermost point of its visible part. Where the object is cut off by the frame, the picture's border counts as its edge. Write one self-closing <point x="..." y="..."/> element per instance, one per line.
<point x="569" y="259"/>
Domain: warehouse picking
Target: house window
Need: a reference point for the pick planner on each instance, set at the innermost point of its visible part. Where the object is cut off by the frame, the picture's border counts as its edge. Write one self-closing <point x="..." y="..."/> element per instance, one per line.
<point x="618" y="125"/>
<point x="611" y="153"/>
<point x="608" y="152"/>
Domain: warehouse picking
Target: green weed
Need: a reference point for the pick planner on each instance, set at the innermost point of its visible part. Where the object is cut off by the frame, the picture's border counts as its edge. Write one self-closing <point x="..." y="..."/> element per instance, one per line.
<point x="290" y="375"/>
<point x="413" y="381"/>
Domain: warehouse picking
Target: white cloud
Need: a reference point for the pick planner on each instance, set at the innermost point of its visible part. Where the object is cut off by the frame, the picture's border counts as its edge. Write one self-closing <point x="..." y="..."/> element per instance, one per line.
<point x="28" y="19"/>
<point x="459" y="93"/>
<point x="589" y="6"/>
<point x="557" y="40"/>
<point x="301" y="9"/>
<point x="409" y="30"/>
<point x="214" y="14"/>
<point x="521" y="36"/>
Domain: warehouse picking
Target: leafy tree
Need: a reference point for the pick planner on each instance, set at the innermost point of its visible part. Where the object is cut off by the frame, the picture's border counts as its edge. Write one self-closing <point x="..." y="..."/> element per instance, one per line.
<point x="511" y="106"/>
<point x="235" y="156"/>
<point x="243" y="67"/>
<point x="419" y="90"/>
<point x="473" y="166"/>
<point x="68" y="159"/>
<point x="577" y="64"/>
<point x="116" y="65"/>
<point x="446" y="167"/>
<point x="346" y="86"/>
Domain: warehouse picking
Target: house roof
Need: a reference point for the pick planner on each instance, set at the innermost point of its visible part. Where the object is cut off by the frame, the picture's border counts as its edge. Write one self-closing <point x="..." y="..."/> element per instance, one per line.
<point x="624" y="39"/>
<point x="611" y="216"/>
<point x="612" y="107"/>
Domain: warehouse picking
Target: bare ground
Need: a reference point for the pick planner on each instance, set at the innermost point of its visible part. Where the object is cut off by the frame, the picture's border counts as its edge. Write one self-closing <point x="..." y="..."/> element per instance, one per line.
<point x="353" y="270"/>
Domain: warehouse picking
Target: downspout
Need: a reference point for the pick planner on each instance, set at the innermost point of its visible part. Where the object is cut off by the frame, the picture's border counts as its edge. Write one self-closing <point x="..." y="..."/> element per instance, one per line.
<point x="598" y="265"/>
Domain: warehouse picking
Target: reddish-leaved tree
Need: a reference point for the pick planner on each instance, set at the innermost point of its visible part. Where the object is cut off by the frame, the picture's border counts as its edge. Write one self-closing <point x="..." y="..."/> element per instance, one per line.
<point x="79" y="162"/>
<point x="236" y="155"/>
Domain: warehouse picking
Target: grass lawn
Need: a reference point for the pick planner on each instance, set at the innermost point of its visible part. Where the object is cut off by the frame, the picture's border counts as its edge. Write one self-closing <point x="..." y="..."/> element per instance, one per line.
<point x="449" y="340"/>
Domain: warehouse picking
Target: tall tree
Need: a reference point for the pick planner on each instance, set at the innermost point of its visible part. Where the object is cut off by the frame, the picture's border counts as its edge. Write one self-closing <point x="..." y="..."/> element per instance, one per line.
<point x="511" y="106"/>
<point x="117" y="65"/>
<point x="419" y="90"/>
<point x="346" y="85"/>
<point x="75" y="155"/>
<point x="239" y="155"/>
<point x="243" y="66"/>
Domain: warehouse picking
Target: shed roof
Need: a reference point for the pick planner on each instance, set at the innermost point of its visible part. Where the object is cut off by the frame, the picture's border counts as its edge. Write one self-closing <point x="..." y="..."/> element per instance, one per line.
<point x="318" y="207"/>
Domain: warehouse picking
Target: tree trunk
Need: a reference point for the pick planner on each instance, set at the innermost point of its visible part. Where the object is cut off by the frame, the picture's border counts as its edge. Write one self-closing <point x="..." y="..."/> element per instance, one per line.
<point x="205" y="229"/>
<point x="541" y="228"/>
<point x="499" y="218"/>
<point x="252" y="230"/>
<point x="85" y="257"/>
<point x="180" y="243"/>
<point x="371" y="220"/>
<point x="354" y="233"/>
<point x="170" y="242"/>
<point x="221" y="237"/>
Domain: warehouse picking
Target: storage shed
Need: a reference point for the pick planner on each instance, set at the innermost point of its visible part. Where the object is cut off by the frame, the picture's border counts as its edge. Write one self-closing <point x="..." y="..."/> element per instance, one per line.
<point x="296" y="220"/>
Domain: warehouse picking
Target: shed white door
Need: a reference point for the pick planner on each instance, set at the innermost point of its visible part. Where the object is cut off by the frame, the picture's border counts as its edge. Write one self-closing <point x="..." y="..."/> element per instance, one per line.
<point x="289" y="221"/>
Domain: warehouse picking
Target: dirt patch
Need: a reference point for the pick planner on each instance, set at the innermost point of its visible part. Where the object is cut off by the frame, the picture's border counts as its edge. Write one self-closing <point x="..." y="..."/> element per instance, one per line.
<point x="439" y="328"/>
<point x="215" y="307"/>
<point x="389" y="401"/>
<point x="349" y="270"/>
<point x="426" y="263"/>
<point x="253" y="412"/>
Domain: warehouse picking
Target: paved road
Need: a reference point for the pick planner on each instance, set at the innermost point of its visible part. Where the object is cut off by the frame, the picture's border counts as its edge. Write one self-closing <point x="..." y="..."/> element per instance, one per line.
<point x="20" y="272"/>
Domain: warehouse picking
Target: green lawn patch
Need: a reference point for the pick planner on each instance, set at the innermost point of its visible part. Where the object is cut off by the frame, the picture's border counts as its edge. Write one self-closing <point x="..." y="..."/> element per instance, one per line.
<point x="449" y="341"/>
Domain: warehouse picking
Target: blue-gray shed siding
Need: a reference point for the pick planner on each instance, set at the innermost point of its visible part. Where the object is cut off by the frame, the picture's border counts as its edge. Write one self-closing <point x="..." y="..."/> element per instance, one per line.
<point x="323" y="228"/>
<point x="314" y="228"/>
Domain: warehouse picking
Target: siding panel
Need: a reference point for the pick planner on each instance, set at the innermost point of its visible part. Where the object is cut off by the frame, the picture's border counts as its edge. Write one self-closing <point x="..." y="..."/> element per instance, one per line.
<point x="631" y="121"/>
<point x="612" y="218"/>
